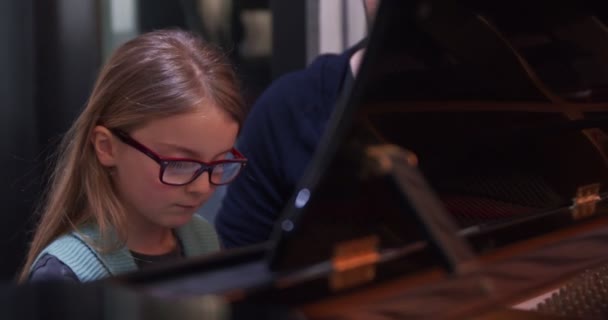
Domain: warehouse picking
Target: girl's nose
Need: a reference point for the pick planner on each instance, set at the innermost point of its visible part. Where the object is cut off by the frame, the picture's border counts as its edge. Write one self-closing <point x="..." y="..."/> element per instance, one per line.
<point x="200" y="185"/>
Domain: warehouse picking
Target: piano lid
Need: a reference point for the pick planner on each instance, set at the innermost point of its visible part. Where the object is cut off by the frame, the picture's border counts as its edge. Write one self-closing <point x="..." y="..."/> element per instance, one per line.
<point x="504" y="117"/>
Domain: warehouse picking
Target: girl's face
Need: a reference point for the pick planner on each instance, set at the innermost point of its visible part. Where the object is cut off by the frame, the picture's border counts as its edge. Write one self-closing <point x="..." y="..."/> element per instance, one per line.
<point x="206" y="135"/>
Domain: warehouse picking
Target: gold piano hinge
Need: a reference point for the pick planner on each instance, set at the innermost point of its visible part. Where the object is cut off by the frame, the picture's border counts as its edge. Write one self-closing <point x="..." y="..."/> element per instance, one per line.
<point x="585" y="201"/>
<point x="354" y="262"/>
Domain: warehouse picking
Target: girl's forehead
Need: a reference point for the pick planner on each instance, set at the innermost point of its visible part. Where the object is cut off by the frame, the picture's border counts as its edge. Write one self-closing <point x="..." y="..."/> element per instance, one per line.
<point x="206" y="130"/>
<point x="200" y="119"/>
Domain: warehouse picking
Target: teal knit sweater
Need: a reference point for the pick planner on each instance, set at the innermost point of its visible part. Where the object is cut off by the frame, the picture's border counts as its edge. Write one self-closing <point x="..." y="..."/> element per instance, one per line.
<point x="197" y="237"/>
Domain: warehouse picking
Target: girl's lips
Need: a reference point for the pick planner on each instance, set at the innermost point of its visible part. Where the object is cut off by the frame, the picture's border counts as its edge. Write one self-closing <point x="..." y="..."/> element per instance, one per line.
<point x="187" y="206"/>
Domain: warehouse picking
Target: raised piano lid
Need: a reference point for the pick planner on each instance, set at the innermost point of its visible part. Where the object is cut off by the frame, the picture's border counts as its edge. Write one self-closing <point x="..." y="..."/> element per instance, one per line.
<point x="504" y="116"/>
<point x="503" y="144"/>
<point x="507" y="119"/>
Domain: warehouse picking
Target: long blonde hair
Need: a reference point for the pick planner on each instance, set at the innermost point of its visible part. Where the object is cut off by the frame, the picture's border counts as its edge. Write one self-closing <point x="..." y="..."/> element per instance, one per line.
<point x="155" y="75"/>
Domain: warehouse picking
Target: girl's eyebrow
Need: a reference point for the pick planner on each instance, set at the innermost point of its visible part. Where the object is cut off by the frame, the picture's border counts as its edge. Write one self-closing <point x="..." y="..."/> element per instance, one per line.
<point x="189" y="152"/>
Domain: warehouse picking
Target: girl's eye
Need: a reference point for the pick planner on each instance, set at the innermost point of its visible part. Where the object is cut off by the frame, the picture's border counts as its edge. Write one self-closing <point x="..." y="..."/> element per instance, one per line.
<point x="182" y="165"/>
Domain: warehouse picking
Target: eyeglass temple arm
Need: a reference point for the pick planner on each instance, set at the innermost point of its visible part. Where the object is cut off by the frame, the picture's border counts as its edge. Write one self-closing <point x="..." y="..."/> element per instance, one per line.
<point x="238" y="153"/>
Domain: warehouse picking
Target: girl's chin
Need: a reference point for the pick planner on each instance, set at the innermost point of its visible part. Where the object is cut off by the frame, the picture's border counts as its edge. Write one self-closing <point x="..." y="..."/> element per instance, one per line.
<point x="178" y="220"/>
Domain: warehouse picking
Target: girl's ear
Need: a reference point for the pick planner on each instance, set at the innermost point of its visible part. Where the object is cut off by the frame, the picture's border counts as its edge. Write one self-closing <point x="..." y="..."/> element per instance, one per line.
<point x="105" y="146"/>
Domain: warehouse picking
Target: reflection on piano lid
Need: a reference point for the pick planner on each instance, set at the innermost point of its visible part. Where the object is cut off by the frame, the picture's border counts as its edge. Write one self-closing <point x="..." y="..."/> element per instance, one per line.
<point x="465" y="172"/>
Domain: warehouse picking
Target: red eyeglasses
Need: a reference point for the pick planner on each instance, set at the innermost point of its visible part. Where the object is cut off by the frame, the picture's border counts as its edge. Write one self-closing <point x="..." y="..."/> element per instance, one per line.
<point x="181" y="171"/>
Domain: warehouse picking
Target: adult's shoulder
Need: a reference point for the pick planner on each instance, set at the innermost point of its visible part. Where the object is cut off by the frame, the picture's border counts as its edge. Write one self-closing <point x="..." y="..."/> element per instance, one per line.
<point x="316" y="84"/>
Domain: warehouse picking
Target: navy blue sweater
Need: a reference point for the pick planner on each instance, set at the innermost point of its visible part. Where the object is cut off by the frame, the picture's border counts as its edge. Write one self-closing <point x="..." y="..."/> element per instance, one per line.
<point x="279" y="139"/>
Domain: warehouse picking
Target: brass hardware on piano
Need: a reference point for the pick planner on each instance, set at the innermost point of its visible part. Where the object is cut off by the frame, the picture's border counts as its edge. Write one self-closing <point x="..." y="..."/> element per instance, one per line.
<point x="586" y="200"/>
<point x="354" y="262"/>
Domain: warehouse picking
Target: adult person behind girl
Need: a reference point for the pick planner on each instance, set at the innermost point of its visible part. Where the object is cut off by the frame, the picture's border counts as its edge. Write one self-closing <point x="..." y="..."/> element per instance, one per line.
<point x="152" y="143"/>
<point x="280" y="138"/>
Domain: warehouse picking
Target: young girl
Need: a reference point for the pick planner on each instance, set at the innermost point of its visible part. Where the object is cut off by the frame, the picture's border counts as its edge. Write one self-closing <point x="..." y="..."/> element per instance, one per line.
<point x="154" y="140"/>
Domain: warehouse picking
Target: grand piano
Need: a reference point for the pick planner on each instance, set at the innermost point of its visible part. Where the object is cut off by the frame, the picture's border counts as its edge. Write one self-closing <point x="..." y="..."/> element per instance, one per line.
<point x="462" y="176"/>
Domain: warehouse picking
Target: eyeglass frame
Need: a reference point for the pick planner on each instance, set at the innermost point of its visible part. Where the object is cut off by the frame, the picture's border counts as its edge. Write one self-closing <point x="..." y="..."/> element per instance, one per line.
<point x="164" y="162"/>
